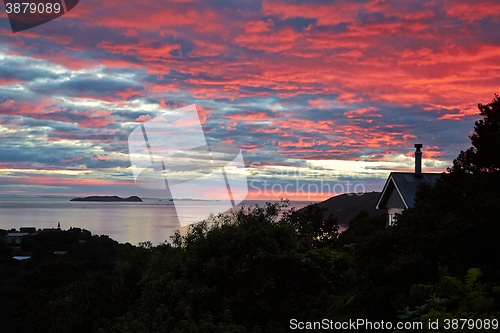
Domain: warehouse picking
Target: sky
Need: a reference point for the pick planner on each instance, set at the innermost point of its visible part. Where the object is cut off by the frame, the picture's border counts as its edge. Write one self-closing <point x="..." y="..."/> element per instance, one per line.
<point x="332" y="94"/>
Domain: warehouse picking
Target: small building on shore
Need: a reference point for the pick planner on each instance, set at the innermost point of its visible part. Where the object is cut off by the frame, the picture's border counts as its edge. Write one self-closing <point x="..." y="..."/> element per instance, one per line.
<point x="15" y="237"/>
<point x="28" y="230"/>
<point x="58" y="229"/>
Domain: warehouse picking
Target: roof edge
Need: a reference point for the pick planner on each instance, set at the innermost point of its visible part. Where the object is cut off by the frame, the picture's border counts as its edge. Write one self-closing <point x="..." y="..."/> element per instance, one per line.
<point x="384" y="190"/>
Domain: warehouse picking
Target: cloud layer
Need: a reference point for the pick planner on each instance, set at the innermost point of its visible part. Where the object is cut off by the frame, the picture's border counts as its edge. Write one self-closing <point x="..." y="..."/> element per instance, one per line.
<point x="294" y="83"/>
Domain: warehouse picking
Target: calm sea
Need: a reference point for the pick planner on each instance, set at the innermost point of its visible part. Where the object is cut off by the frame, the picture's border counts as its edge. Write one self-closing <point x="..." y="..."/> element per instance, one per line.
<point x="133" y="222"/>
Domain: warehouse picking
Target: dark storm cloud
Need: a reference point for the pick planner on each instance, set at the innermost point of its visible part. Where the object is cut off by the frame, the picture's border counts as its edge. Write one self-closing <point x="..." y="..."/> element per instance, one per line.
<point x="89" y="86"/>
<point x="24" y="70"/>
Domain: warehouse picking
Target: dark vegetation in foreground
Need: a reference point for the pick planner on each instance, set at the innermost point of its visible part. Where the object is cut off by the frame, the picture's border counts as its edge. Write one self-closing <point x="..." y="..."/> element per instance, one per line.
<point x="257" y="269"/>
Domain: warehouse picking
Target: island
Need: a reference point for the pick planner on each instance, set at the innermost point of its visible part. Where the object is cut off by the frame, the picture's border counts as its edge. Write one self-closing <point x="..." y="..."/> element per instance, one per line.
<point x="105" y="198"/>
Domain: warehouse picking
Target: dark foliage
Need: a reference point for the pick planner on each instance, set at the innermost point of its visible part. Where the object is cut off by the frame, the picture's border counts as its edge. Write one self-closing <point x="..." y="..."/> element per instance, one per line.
<point x="256" y="269"/>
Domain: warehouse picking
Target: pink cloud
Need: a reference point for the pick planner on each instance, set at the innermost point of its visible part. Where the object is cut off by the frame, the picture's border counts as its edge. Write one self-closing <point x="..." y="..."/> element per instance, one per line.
<point x="143" y="118"/>
<point x="473" y="11"/>
<point x="362" y="112"/>
<point x="258" y="26"/>
<point x="325" y="14"/>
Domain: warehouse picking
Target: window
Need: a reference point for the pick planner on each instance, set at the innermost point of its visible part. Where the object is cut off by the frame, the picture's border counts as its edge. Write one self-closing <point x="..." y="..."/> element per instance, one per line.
<point x="392" y="219"/>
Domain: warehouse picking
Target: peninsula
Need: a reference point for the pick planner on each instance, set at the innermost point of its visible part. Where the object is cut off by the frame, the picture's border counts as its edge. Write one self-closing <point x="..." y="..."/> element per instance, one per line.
<point x="104" y="198"/>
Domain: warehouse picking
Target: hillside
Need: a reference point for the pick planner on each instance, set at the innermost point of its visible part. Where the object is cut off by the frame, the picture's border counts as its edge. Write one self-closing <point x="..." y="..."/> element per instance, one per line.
<point x="104" y="198"/>
<point x="345" y="206"/>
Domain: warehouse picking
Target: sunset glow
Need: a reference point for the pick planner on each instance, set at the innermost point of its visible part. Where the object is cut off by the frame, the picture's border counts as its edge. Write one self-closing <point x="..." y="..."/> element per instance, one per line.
<point x="321" y="92"/>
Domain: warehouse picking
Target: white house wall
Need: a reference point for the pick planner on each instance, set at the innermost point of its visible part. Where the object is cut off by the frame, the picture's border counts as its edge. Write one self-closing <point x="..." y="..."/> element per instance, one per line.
<point x="395" y="200"/>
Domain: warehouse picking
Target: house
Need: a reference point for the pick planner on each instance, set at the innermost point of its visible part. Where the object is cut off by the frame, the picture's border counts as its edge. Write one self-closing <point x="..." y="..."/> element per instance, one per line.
<point x="15" y="237"/>
<point x="58" y="229"/>
<point x="400" y="188"/>
<point x="29" y="230"/>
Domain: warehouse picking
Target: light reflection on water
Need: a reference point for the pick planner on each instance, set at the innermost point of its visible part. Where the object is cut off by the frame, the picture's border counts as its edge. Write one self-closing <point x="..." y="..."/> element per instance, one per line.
<point x="154" y="219"/>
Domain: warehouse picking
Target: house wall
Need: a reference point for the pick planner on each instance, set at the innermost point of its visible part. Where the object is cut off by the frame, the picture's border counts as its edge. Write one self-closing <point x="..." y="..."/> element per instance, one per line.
<point x="395" y="200"/>
<point x="390" y="215"/>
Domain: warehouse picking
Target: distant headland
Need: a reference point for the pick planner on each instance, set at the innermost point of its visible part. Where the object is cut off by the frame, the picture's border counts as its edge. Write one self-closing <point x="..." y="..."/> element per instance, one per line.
<point x="108" y="198"/>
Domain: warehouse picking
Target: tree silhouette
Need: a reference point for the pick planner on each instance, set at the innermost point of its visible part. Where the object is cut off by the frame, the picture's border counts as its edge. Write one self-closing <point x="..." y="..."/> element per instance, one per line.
<point x="484" y="155"/>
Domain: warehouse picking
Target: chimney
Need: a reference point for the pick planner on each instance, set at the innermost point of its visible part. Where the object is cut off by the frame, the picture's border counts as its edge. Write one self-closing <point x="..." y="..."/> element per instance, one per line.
<point x="418" y="159"/>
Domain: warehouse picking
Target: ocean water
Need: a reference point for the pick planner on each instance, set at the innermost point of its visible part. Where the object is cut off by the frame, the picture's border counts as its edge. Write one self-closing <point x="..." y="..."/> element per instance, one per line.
<point x="153" y="220"/>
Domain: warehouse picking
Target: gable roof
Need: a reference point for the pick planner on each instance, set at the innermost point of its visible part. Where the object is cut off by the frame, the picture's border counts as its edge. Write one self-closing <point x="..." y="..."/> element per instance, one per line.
<point x="406" y="184"/>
